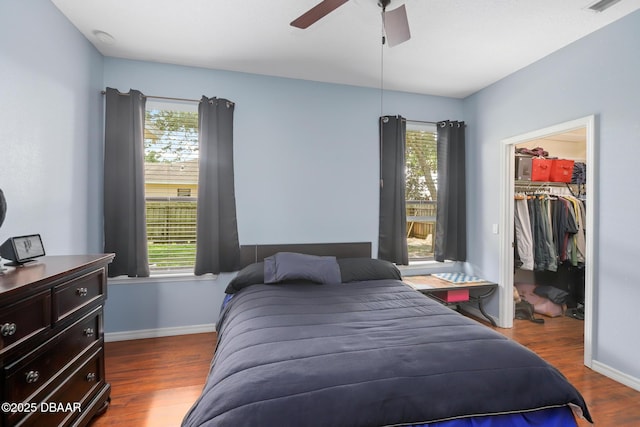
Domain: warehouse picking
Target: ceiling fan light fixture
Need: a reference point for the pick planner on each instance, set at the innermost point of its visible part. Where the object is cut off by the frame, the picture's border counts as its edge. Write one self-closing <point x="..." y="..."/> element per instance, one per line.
<point x="602" y="5"/>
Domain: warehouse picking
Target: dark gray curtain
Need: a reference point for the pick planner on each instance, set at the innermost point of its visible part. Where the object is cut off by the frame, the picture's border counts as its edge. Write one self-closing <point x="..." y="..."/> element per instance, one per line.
<point x="392" y="240"/>
<point x="451" y="215"/>
<point x="217" y="246"/>
<point x="125" y="232"/>
<point x="3" y="207"/>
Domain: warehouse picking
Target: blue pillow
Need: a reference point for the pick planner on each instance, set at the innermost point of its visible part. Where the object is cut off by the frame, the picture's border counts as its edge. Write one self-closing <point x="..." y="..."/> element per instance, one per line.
<point x="351" y="270"/>
<point x="252" y="274"/>
<point x="361" y="269"/>
<point x="288" y="266"/>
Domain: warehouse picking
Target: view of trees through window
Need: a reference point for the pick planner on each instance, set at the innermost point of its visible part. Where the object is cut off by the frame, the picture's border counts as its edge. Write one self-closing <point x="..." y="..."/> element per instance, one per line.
<point x="421" y="189"/>
<point x="171" y="187"/>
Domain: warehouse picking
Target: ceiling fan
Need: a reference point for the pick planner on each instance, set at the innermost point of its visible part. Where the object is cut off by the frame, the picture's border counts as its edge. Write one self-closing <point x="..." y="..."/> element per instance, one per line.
<point x="394" y="22"/>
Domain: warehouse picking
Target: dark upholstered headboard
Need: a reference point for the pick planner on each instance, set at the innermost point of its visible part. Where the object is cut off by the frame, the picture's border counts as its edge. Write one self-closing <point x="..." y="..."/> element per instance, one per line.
<point x="254" y="253"/>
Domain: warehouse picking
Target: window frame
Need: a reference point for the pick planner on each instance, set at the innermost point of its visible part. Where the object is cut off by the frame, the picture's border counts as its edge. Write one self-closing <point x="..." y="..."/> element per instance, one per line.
<point x="184" y="270"/>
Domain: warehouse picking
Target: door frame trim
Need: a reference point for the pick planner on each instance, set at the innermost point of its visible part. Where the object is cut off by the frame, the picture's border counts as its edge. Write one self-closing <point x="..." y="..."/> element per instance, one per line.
<point x="507" y="160"/>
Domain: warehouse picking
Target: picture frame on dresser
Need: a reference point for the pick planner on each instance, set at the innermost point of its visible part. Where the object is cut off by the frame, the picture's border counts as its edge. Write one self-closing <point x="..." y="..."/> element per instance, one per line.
<point x="22" y="249"/>
<point x="52" y="341"/>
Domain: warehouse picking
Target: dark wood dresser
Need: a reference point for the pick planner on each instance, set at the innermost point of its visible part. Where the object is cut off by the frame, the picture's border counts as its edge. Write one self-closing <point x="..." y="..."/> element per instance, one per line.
<point x="52" y="341"/>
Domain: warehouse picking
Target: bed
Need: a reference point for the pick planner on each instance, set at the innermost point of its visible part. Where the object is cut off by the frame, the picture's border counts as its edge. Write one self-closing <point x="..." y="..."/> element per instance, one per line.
<point x="308" y="340"/>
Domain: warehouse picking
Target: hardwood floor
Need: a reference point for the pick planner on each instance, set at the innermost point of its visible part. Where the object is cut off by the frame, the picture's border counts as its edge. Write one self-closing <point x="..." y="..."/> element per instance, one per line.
<point x="155" y="381"/>
<point x="560" y="342"/>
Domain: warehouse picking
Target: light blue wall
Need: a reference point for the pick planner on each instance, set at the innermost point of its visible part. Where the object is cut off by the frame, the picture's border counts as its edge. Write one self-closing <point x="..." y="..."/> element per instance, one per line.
<point x="306" y="153"/>
<point x="306" y="170"/>
<point x="599" y="75"/>
<point x="50" y="131"/>
<point x="174" y="306"/>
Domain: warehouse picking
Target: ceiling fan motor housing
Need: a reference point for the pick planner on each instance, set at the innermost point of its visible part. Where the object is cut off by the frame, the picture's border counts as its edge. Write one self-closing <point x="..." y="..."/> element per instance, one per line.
<point x="383" y="4"/>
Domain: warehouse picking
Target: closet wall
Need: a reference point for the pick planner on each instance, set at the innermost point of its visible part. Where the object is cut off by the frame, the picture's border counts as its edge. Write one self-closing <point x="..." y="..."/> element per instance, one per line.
<point x="551" y="257"/>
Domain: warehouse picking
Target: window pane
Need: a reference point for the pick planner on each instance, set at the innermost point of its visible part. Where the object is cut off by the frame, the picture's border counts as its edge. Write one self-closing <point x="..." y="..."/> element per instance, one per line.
<point x="421" y="189"/>
<point x="171" y="186"/>
<point x="171" y="233"/>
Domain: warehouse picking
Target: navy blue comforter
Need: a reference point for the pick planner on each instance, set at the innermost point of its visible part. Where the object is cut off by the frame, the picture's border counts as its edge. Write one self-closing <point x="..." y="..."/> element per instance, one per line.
<point x="373" y="353"/>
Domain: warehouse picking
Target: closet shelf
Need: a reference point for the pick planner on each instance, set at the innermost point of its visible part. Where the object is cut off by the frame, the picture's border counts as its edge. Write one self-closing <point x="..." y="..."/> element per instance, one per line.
<point x="523" y="183"/>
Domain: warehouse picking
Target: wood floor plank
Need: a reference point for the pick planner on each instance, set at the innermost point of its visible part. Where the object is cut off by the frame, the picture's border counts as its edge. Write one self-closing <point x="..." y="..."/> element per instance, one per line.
<point x="155" y="381"/>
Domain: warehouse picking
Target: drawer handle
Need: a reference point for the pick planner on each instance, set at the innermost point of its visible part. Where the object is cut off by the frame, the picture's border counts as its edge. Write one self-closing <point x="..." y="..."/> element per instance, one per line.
<point x="88" y="332"/>
<point x="91" y="376"/>
<point x="81" y="292"/>
<point x="32" y="377"/>
<point x="8" y="329"/>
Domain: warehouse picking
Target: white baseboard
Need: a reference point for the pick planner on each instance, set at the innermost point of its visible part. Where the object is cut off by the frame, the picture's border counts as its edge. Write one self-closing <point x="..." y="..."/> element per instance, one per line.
<point x="156" y="333"/>
<point x="616" y="375"/>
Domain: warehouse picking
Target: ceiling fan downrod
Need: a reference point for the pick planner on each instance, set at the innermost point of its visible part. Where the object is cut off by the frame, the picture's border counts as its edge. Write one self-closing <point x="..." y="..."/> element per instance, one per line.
<point x="383" y="4"/>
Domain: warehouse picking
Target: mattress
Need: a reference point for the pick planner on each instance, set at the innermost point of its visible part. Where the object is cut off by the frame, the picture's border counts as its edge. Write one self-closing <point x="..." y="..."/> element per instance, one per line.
<point x="371" y="353"/>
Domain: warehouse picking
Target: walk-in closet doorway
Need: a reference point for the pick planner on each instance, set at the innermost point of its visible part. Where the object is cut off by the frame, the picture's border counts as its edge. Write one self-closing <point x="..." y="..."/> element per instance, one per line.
<point x="507" y="193"/>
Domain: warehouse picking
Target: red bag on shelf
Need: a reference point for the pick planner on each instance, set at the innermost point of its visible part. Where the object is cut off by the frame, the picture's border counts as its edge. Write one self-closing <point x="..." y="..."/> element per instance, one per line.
<point x="541" y="169"/>
<point x="561" y="170"/>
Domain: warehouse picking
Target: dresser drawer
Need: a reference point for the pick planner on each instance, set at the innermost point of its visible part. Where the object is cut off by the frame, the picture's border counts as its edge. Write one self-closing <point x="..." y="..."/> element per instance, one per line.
<point x="70" y="399"/>
<point x="78" y="293"/>
<point x="37" y="369"/>
<point x="24" y="319"/>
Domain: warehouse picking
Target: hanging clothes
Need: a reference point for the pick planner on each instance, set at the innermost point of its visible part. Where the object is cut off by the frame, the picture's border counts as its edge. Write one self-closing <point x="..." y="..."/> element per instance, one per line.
<point x="580" y="238"/>
<point x="547" y="236"/>
<point x="549" y="231"/>
<point x="524" y="238"/>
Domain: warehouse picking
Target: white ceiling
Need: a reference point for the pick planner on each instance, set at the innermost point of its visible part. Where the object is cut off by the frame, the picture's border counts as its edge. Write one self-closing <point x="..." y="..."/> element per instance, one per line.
<point x="457" y="47"/>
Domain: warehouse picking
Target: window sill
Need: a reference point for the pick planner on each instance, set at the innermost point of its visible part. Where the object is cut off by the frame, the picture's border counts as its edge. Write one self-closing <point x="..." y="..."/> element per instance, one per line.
<point x="429" y="266"/>
<point x="161" y="278"/>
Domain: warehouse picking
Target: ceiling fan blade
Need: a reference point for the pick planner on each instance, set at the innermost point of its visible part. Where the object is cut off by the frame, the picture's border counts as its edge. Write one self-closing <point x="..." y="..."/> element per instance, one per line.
<point x="317" y="12"/>
<point x="396" y="26"/>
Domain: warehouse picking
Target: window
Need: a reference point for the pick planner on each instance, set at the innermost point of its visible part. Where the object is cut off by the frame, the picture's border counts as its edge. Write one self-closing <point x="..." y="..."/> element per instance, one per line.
<point x="421" y="189"/>
<point x="171" y="184"/>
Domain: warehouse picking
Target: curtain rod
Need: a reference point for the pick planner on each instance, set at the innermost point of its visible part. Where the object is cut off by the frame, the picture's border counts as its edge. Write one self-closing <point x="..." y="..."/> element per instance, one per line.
<point x="434" y="123"/>
<point x="422" y="121"/>
<point x="159" y="97"/>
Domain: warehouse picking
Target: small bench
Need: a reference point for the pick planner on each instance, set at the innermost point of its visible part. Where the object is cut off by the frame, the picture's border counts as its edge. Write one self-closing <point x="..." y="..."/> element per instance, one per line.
<point x="454" y="293"/>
